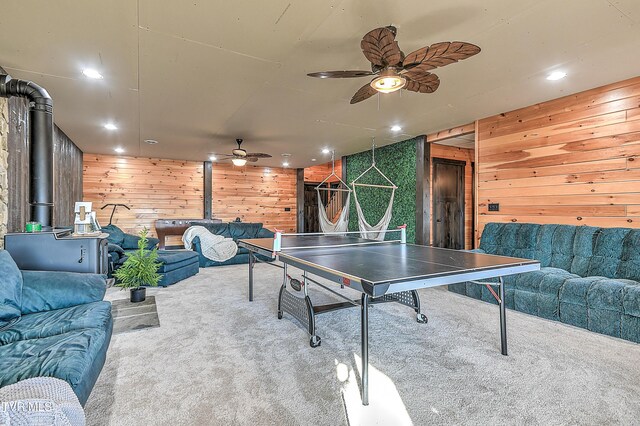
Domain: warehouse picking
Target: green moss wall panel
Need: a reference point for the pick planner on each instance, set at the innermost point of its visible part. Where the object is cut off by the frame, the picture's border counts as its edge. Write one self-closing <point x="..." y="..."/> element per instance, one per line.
<point x="398" y="163"/>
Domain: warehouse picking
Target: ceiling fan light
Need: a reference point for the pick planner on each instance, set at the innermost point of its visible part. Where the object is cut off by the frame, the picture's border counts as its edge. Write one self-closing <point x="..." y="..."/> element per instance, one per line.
<point x="388" y="83"/>
<point x="239" y="161"/>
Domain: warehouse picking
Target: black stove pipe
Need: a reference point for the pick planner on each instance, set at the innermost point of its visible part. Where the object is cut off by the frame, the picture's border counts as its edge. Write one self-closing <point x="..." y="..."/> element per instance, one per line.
<point x="40" y="147"/>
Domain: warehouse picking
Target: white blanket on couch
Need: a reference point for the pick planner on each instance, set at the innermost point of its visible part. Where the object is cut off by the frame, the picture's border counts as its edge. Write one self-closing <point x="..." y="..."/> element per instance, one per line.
<point x="214" y="247"/>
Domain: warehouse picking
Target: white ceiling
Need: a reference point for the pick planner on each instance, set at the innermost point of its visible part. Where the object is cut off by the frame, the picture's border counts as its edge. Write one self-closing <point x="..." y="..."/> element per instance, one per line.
<point x="195" y="75"/>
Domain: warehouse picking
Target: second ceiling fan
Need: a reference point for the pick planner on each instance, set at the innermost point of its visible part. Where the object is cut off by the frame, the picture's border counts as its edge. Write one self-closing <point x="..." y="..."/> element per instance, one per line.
<point x="239" y="156"/>
<point x="394" y="70"/>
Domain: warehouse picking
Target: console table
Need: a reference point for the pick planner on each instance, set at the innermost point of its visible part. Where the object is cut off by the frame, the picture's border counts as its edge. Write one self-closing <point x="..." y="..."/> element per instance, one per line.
<point x="170" y="227"/>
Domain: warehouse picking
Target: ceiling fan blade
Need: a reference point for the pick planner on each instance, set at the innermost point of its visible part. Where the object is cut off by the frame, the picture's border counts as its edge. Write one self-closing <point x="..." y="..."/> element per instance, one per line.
<point x="426" y="84"/>
<point x="258" y="155"/>
<point x="340" y="74"/>
<point x="438" y="55"/>
<point x="380" y="48"/>
<point x="365" y="92"/>
<point x="252" y="159"/>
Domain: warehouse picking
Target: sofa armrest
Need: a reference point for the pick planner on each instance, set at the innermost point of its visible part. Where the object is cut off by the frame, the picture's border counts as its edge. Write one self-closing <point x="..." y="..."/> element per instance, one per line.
<point x="46" y="291"/>
<point x="264" y="233"/>
<point x="478" y="250"/>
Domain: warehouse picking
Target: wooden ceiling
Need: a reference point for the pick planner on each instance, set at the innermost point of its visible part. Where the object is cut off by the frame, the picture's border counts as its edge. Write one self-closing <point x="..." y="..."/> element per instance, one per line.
<point x="197" y="75"/>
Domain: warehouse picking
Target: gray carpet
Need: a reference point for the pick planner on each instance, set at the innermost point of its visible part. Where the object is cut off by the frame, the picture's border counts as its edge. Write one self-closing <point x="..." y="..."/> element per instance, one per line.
<point x="219" y="360"/>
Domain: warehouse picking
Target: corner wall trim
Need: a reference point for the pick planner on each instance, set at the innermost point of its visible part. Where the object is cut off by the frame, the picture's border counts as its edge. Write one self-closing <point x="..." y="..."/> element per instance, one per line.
<point x="208" y="187"/>
<point x="423" y="195"/>
<point x="300" y="200"/>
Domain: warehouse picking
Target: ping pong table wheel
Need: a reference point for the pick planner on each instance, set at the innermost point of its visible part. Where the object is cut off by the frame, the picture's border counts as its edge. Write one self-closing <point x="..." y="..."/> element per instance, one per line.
<point x="422" y="319"/>
<point x="279" y="314"/>
<point x="315" y="341"/>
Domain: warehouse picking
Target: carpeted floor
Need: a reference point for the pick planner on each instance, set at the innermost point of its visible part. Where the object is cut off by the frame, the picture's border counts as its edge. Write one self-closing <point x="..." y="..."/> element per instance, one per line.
<point x="218" y="359"/>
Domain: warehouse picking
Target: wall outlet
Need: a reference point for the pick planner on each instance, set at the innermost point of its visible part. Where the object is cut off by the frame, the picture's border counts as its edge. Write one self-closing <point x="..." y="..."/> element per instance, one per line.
<point x="494" y="207"/>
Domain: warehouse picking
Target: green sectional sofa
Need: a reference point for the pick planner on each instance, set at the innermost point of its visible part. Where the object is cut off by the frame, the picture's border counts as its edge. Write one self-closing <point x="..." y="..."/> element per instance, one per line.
<point x="235" y="230"/>
<point x="589" y="276"/>
<point x="175" y="265"/>
<point x="52" y="324"/>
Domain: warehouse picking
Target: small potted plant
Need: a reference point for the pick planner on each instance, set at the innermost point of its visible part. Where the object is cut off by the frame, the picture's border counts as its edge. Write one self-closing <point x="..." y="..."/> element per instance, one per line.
<point x="139" y="270"/>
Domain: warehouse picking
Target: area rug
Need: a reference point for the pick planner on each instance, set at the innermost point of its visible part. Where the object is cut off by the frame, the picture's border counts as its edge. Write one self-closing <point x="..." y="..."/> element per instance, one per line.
<point x="129" y="316"/>
<point x="219" y="359"/>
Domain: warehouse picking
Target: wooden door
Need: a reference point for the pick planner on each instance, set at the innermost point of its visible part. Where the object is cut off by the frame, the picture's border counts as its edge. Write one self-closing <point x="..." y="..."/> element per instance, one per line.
<point x="311" y="220"/>
<point x="448" y="203"/>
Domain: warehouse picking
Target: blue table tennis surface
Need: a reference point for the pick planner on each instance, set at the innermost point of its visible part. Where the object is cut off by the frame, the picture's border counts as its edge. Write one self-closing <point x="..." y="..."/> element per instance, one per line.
<point x="382" y="262"/>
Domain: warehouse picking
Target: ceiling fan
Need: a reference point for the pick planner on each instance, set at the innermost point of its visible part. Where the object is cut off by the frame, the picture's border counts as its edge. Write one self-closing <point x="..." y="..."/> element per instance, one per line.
<point x="394" y="70"/>
<point x="239" y="156"/>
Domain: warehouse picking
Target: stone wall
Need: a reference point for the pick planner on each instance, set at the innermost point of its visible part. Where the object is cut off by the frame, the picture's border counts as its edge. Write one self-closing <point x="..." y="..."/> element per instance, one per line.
<point x="4" y="154"/>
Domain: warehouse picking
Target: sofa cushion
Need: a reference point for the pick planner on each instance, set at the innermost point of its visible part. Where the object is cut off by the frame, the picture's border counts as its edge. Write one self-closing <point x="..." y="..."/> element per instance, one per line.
<point x="130" y="242"/>
<point x="59" y="321"/>
<point x="116" y="235"/>
<point x="562" y="247"/>
<point x="543" y="244"/>
<point x="75" y="357"/>
<point x="242" y="230"/>
<point x="583" y="245"/>
<point x="537" y="292"/>
<point x="215" y="228"/>
<point x="51" y="290"/>
<point x="175" y="259"/>
<point x="631" y="299"/>
<point x="10" y="288"/>
<point x="629" y="267"/>
<point x="489" y="239"/>
<point x="607" y="253"/>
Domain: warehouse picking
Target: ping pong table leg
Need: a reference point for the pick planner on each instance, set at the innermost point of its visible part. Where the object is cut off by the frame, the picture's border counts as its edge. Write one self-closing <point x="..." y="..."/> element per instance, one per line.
<point x="252" y="261"/>
<point x="503" y="318"/>
<point x="364" y="336"/>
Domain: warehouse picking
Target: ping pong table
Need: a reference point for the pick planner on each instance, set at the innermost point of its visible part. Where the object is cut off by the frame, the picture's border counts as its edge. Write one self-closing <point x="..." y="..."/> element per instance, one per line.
<point x="381" y="271"/>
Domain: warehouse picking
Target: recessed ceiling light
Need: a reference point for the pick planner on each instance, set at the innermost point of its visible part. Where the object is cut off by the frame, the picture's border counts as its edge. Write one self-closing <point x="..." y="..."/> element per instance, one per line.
<point x="313" y="159"/>
<point x="213" y="158"/>
<point x="91" y="73"/>
<point x="110" y="126"/>
<point x="326" y="150"/>
<point x="396" y="128"/>
<point x="285" y="164"/>
<point x="151" y="141"/>
<point x="556" y="75"/>
<point x="119" y="150"/>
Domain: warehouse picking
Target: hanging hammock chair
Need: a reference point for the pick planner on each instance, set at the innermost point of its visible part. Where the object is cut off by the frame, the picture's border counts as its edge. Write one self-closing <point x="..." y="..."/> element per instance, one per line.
<point x="342" y="222"/>
<point x="377" y="231"/>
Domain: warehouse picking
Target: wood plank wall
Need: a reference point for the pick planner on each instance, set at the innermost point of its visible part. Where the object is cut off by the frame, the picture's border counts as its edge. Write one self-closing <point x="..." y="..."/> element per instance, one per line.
<point x="466" y="155"/>
<point x="318" y="173"/>
<point x="67" y="170"/>
<point x="255" y="194"/>
<point x="152" y="188"/>
<point x="67" y="175"/>
<point x="573" y="160"/>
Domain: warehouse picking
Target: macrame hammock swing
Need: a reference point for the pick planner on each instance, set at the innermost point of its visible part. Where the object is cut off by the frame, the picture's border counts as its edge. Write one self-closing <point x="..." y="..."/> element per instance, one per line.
<point x="342" y="222"/>
<point x="377" y="231"/>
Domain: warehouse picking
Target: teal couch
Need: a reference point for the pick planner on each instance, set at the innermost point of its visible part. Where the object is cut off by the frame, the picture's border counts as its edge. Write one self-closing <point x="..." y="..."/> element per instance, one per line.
<point x="175" y="265"/>
<point x="52" y="324"/>
<point x="235" y="230"/>
<point x="589" y="276"/>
